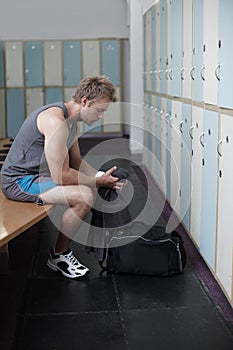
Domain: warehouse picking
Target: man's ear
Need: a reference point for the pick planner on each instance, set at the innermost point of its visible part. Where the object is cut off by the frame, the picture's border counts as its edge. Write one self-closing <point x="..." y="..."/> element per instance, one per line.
<point x="84" y="101"/>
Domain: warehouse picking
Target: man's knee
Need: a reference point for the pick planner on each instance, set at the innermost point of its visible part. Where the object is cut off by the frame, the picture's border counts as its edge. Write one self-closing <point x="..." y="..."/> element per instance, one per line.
<point x="86" y="196"/>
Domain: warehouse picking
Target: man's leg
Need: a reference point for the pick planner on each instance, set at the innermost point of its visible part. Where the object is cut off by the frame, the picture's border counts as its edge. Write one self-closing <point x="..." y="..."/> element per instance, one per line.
<point x="79" y="200"/>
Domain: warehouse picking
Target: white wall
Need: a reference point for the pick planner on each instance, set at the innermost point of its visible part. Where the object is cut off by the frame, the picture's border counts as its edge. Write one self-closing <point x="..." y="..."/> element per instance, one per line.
<point x="69" y="19"/>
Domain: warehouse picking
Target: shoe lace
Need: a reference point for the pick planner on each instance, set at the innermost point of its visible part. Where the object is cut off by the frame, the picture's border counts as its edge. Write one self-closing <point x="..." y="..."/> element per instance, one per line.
<point x="72" y="259"/>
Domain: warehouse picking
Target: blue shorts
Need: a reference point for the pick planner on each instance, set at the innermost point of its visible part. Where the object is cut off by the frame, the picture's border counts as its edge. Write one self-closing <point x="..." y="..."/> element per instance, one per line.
<point x="28" y="188"/>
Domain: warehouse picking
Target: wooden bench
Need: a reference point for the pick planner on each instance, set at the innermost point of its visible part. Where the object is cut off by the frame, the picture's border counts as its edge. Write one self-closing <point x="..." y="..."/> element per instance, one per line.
<point x="16" y="217"/>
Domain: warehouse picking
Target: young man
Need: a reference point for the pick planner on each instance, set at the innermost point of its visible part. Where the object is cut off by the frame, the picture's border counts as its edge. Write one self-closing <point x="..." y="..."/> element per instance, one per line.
<point x="44" y="164"/>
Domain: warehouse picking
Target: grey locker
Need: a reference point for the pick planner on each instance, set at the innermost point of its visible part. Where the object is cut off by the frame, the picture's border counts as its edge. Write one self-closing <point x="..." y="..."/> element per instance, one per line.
<point x="53" y="63"/>
<point x="14" y="64"/>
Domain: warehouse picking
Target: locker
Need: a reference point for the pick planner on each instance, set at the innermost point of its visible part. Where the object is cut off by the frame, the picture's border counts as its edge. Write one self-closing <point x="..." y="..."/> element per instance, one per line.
<point x="34" y="99"/>
<point x="14" y="64"/>
<point x="112" y="121"/>
<point x="15" y="111"/>
<point x="96" y="127"/>
<point x="72" y="62"/>
<point x="91" y="57"/>
<point x="53" y="63"/>
<point x="153" y="48"/>
<point x="210" y="49"/>
<point x="53" y="95"/>
<point x="175" y="155"/>
<point x="168" y="63"/>
<point x="2" y="69"/>
<point x="2" y="114"/>
<point x="148" y="57"/>
<point x="198" y="59"/>
<point x="149" y="133"/>
<point x="185" y="125"/>
<point x="158" y="72"/>
<point x="224" y="72"/>
<point x="111" y="60"/>
<point x="187" y="48"/>
<point x="33" y="64"/>
<point x="209" y="140"/>
<point x="144" y="54"/>
<point x="176" y="46"/>
<point x="69" y="92"/>
<point x="163" y="143"/>
<point x="158" y="140"/>
<point x="224" y="264"/>
<point x="168" y="145"/>
<point x="145" y="135"/>
<point x="196" y="174"/>
<point x="152" y="130"/>
<point x="163" y="45"/>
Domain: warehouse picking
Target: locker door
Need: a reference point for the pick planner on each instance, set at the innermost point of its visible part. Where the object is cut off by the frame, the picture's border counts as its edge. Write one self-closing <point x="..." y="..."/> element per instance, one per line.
<point x="168" y="145"/>
<point x="209" y="141"/>
<point x="148" y="50"/>
<point x="145" y="140"/>
<point x="15" y="111"/>
<point x="149" y="134"/>
<point x="53" y="95"/>
<point x="2" y="114"/>
<point x="158" y="75"/>
<point x="176" y="46"/>
<point x="210" y="51"/>
<point x="185" y="164"/>
<point x="14" y="64"/>
<point x="163" y="45"/>
<point x="2" y="69"/>
<point x="187" y="48"/>
<point x="111" y="60"/>
<point x="33" y="64"/>
<point x="153" y="47"/>
<point x="197" y="50"/>
<point x="163" y="144"/>
<point x="34" y="99"/>
<point x="196" y="173"/>
<point x="91" y="57"/>
<point x="112" y="118"/>
<point x="225" y="206"/>
<point x="169" y="55"/>
<point x="72" y="62"/>
<point x="154" y="165"/>
<point x="53" y="63"/>
<point x="158" y="140"/>
<point x="175" y="155"/>
<point x="144" y="53"/>
<point x="225" y="92"/>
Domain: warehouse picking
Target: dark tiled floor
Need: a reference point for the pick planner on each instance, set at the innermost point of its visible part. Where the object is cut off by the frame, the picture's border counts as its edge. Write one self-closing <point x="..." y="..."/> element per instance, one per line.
<point x="42" y="310"/>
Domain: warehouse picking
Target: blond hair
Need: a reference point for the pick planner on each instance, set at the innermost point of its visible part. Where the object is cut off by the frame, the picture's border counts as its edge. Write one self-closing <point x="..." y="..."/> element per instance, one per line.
<point x="95" y="88"/>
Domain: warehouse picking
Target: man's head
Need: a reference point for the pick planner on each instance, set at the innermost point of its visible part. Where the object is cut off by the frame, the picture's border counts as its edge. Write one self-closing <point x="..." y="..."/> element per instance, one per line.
<point x="97" y="93"/>
<point x="94" y="89"/>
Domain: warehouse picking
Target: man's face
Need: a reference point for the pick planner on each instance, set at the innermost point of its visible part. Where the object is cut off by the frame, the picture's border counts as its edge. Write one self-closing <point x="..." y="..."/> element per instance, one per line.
<point x="92" y="111"/>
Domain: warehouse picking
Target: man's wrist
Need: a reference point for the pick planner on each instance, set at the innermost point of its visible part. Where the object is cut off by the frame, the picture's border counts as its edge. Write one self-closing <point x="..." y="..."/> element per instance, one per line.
<point x="99" y="174"/>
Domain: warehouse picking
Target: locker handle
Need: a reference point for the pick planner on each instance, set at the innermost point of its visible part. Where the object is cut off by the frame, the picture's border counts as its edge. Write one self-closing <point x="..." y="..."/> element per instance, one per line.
<point x="180" y="127"/>
<point x="166" y="73"/>
<point x="155" y="74"/>
<point x="202" y="139"/>
<point x="217" y="72"/>
<point x="218" y="148"/>
<point x="151" y="74"/>
<point x="190" y="132"/>
<point x="160" y="72"/>
<point x="192" y="73"/>
<point x="202" y="73"/>
<point x="182" y="73"/>
<point x="170" y="74"/>
<point x="166" y="117"/>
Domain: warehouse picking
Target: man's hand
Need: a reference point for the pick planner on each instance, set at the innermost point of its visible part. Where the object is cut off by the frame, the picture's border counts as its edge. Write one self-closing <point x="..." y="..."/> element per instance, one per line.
<point x="107" y="180"/>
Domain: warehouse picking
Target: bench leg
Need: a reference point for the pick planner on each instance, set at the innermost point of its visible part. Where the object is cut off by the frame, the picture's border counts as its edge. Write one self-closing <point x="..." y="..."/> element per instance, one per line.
<point x="4" y="259"/>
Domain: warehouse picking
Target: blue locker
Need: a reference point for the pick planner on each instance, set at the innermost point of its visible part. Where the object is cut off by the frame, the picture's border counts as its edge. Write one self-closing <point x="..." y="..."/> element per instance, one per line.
<point x="72" y="62"/>
<point x="163" y="45"/>
<point x="158" y="140"/>
<point x="53" y="95"/>
<point x="176" y="46"/>
<point x="111" y="60"/>
<point x="209" y="186"/>
<point x="153" y="45"/>
<point x="186" y="164"/>
<point x="33" y="64"/>
<point x="96" y="127"/>
<point x="197" y="50"/>
<point x="225" y="97"/>
<point x="168" y="159"/>
<point x="15" y="111"/>
<point x="144" y="53"/>
<point x="1" y="66"/>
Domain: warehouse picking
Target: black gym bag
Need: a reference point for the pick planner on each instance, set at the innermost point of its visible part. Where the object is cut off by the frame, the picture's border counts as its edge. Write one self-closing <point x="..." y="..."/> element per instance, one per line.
<point x="154" y="252"/>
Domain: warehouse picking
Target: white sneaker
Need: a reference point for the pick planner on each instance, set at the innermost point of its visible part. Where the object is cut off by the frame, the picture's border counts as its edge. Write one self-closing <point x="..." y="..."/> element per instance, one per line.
<point x="67" y="264"/>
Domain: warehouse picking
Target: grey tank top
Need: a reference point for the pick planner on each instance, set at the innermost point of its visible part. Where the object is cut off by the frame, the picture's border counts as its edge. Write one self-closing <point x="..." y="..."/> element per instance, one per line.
<point x="26" y="155"/>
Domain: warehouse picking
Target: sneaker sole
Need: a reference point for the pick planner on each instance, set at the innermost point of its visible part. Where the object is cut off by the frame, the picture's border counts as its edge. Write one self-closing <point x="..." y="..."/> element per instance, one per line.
<point x="56" y="268"/>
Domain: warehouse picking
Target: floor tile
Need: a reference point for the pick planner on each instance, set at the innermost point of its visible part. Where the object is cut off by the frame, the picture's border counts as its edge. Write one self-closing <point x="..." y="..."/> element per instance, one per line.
<point x="181" y="328"/>
<point x="87" y="331"/>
